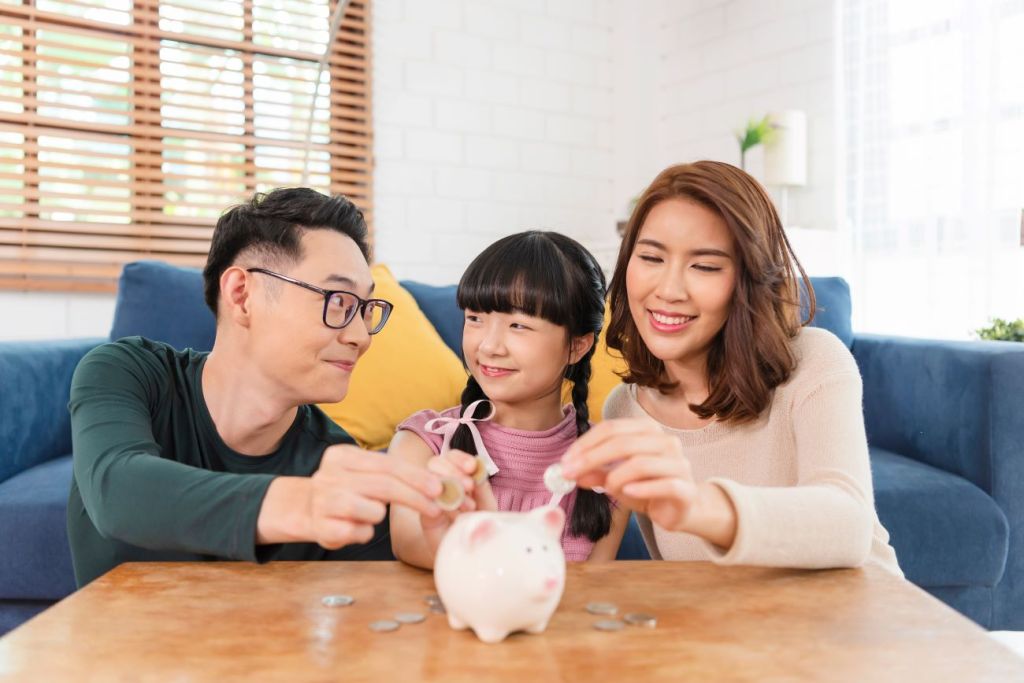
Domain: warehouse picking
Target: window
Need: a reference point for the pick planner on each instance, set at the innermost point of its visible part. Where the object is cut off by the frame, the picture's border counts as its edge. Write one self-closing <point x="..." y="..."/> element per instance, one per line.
<point x="934" y="108"/>
<point x="126" y="128"/>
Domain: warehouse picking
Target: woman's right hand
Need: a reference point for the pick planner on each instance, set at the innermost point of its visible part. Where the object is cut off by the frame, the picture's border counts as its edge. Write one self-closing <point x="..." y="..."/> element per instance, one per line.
<point x="645" y="469"/>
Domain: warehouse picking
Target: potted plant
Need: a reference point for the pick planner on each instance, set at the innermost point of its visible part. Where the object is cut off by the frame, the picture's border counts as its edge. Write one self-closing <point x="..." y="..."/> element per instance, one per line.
<point x="756" y="133"/>
<point x="1003" y="330"/>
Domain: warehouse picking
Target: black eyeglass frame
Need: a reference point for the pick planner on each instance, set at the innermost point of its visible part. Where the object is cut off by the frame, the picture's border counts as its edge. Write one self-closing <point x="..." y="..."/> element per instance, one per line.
<point x="385" y="306"/>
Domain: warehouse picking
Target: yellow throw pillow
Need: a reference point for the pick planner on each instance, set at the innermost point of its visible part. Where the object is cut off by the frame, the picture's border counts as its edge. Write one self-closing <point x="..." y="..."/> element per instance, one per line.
<point x="407" y="368"/>
<point x="603" y="379"/>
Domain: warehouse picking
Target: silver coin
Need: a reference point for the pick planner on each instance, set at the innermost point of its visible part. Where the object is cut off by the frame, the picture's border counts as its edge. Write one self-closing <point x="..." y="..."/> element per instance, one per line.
<point x="555" y="482"/>
<point x="384" y="626"/>
<point x="641" y="619"/>
<point x="337" y="600"/>
<point x="437" y="609"/>
<point x="605" y="608"/>
<point x="409" y="617"/>
<point x="434" y="599"/>
<point x="609" y="625"/>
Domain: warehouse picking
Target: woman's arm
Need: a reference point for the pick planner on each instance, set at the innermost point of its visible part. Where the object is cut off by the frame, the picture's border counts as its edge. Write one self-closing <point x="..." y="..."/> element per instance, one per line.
<point x="827" y="519"/>
<point x="645" y="469"/>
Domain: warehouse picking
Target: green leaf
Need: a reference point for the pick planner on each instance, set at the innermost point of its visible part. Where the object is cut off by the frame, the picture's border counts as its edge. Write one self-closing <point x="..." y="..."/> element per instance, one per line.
<point x="1003" y="330"/>
<point x="756" y="133"/>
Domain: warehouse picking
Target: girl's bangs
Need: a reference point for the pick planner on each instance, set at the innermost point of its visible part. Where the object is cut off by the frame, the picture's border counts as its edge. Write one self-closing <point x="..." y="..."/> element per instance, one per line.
<point x="518" y="274"/>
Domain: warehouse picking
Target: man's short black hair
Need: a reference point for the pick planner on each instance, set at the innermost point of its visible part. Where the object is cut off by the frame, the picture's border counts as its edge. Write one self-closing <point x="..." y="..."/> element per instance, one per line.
<point x="271" y="224"/>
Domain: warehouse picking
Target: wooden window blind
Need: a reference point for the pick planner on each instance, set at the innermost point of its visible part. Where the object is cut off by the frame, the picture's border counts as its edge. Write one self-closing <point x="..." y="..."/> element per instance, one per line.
<point x="127" y="127"/>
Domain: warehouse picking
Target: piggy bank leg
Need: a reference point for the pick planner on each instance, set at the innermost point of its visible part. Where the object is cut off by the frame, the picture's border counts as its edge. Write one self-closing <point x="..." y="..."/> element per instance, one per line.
<point x="490" y="634"/>
<point x="538" y="627"/>
<point x="456" y="623"/>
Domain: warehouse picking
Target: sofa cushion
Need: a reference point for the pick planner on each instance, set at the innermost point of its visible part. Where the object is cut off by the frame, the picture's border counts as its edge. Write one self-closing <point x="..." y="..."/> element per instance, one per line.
<point x="34" y="422"/>
<point x="834" y="309"/>
<point x="407" y="368"/>
<point x="35" y="559"/>
<point x="164" y="303"/>
<point x="606" y="368"/>
<point x="946" y="531"/>
<point x="438" y="304"/>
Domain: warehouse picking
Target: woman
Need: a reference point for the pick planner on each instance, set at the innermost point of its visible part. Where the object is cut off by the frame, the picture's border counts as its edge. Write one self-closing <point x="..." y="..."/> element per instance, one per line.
<point x="738" y="435"/>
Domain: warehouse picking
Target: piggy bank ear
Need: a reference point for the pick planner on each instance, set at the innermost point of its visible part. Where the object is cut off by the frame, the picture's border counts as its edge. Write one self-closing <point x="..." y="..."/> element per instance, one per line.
<point x="552" y="518"/>
<point x="480" y="532"/>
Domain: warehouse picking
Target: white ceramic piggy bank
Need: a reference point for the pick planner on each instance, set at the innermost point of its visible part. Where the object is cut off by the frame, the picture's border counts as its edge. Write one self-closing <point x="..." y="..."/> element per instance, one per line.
<point x="500" y="572"/>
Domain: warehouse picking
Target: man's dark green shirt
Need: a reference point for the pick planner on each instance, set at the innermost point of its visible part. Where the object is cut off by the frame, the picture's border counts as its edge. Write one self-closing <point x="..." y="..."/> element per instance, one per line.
<point x="155" y="482"/>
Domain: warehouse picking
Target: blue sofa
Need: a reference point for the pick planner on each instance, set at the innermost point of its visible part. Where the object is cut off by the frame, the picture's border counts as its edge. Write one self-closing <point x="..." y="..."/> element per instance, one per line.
<point x="945" y="423"/>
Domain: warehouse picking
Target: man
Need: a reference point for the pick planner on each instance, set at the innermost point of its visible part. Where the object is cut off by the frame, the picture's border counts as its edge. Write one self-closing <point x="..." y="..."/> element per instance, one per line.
<point x="184" y="456"/>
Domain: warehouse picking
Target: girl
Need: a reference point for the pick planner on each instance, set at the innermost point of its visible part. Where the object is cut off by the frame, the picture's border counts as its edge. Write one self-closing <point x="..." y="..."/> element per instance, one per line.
<point x="739" y="435"/>
<point x="534" y="305"/>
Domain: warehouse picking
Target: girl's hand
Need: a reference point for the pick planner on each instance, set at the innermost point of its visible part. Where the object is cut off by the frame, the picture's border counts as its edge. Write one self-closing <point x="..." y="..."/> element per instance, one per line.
<point x="645" y="469"/>
<point x="466" y="465"/>
<point x="461" y="467"/>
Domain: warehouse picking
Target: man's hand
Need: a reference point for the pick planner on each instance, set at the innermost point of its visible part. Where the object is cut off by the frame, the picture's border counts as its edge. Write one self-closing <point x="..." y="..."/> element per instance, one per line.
<point x="344" y="499"/>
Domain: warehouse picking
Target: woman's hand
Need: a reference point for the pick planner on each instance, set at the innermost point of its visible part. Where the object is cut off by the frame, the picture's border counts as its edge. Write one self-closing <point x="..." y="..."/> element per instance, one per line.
<point x="645" y="469"/>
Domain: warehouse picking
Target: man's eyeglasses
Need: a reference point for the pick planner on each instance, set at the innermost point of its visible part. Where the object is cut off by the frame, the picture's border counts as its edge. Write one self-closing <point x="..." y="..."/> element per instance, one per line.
<point x="340" y="306"/>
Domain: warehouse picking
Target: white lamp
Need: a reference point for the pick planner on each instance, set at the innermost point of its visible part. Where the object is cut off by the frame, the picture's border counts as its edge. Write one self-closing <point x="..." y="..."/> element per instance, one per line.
<point x="785" y="156"/>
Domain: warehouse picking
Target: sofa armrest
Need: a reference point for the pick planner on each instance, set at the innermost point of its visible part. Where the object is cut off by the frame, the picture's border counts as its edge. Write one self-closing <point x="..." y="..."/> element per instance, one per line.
<point x="958" y="406"/>
<point x="36" y="380"/>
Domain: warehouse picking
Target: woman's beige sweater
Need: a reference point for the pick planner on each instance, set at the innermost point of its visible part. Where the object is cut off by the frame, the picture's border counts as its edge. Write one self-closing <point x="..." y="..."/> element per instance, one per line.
<point x="799" y="476"/>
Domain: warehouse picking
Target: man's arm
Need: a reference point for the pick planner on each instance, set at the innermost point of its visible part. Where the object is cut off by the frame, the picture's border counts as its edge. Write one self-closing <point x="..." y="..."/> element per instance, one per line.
<point x="134" y="495"/>
<point x="344" y="499"/>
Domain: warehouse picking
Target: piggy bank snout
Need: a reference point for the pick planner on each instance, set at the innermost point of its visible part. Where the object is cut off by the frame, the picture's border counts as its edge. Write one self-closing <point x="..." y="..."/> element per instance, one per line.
<point x="546" y="588"/>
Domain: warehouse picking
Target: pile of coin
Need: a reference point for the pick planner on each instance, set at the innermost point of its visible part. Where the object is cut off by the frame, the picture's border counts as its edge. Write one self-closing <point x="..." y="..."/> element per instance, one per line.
<point x="337" y="600"/>
<point x="388" y="625"/>
<point x="452" y="492"/>
<point x="434" y="604"/>
<point x="608" y="609"/>
<point x="384" y="626"/>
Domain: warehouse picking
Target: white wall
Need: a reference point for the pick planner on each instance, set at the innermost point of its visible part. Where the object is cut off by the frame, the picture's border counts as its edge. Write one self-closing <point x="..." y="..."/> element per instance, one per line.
<point x="494" y="116"/>
<point x="724" y="63"/>
<point x="490" y="117"/>
<point x="36" y="315"/>
<point x="502" y="115"/>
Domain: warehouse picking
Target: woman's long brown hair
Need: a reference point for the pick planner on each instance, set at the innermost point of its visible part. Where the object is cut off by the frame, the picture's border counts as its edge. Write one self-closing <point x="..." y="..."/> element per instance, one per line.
<point x="751" y="355"/>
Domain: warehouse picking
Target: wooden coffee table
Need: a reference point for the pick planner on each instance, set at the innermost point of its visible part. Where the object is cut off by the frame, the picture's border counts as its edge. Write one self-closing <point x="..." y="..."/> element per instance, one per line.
<point x="222" y="621"/>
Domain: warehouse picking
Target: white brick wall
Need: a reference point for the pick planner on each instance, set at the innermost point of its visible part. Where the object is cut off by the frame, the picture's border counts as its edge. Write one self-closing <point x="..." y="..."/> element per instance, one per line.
<point x="689" y="74"/>
<point x="35" y="315"/>
<point x="722" y="63"/>
<point x="495" y="118"/>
